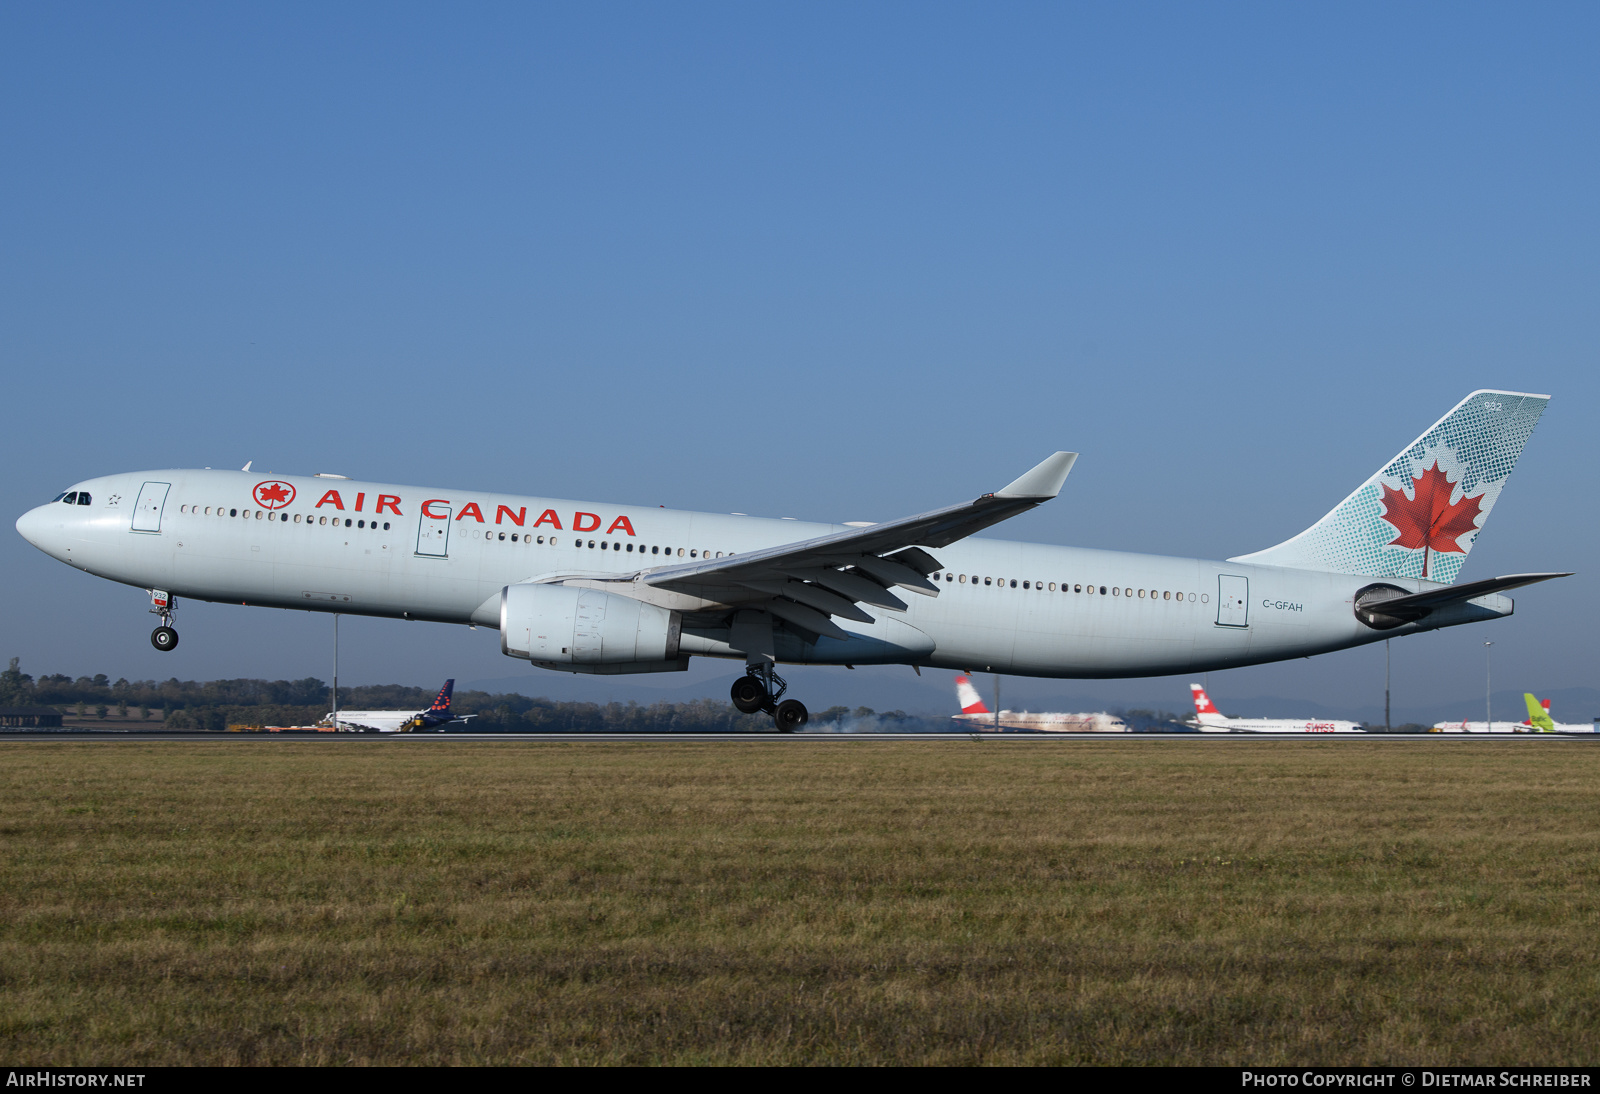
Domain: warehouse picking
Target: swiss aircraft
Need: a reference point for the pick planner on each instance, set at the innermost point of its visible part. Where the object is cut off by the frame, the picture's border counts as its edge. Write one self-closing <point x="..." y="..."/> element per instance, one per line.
<point x="606" y="588"/>
<point x="975" y="714"/>
<point x="1212" y="721"/>
<point x="435" y="717"/>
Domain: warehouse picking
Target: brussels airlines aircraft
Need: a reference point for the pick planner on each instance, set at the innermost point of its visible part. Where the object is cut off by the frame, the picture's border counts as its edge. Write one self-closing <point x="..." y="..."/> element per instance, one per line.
<point x="401" y="721"/>
<point x="605" y="588"/>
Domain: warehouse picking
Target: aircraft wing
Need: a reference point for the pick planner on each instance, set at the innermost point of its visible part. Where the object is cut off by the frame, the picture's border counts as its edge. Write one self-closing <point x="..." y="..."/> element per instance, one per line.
<point x="808" y="582"/>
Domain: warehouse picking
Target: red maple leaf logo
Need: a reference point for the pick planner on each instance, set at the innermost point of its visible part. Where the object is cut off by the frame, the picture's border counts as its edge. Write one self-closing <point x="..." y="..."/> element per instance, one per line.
<point x="274" y="495"/>
<point x="1428" y="521"/>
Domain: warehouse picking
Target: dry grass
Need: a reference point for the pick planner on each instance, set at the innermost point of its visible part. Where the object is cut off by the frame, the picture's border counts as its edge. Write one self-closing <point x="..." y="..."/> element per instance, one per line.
<point x="783" y="902"/>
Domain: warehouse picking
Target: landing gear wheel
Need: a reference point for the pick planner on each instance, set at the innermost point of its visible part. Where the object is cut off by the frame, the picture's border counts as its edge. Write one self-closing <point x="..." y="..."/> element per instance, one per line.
<point x="164" y="639"/>
<point x="749" y="694"/>
<point x="790" y="715"/>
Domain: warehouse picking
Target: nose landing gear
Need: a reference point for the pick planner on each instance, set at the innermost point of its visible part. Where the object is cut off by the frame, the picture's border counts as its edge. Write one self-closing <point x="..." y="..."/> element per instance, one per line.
<point x="761" y="689"/>
<point x="163" y="638"/>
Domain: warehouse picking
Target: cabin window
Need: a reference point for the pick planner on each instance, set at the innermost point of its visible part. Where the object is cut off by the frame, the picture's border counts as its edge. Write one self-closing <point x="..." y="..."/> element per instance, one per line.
<point x="988" y="581"/>
<point x="691" y="553"/>
<point x="1025" y="585"/>
<point x="233" y="512"/>
<point x="1141" y="594"/>
<point x="603" y="545"/>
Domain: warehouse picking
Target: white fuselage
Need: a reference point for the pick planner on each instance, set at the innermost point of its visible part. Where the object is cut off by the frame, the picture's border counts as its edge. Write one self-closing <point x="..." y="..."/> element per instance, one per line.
<point x="1045" y="723"/>
<point x="1216" y="724"/>
<point x="381" y="721"/>
<point x="444" y="555"/>
<point x="1483" y="727"/>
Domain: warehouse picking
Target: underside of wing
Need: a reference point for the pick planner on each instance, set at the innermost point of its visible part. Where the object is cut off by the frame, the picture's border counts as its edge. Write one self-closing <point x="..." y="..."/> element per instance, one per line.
<point x="845" y="575"/>
<point x="809" y="583"/>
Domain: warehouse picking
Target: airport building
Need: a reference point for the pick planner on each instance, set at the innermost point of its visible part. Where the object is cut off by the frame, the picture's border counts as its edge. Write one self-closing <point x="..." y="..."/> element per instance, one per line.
<point x="29" y="718"/>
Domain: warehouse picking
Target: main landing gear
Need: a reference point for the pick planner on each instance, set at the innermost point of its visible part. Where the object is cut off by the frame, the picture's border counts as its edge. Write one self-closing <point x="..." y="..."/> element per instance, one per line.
<point x="762" y="689"/>
<point x="163" y="638"/>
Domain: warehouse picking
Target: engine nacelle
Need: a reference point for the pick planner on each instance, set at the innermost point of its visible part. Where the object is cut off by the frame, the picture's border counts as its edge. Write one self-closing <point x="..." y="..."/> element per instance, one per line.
<point x="585" y="630"/>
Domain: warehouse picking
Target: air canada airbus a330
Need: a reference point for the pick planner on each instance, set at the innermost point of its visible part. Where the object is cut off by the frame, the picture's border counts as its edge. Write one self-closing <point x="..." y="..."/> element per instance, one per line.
<point x="601" y="588"/>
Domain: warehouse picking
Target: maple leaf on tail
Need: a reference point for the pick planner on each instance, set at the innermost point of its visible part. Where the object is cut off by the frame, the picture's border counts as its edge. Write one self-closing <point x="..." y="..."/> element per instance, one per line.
<point x="1428" y="521"/>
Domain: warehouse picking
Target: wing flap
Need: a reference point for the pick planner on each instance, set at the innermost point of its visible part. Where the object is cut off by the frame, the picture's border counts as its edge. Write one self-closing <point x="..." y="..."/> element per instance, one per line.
<point x="813" y="575"/>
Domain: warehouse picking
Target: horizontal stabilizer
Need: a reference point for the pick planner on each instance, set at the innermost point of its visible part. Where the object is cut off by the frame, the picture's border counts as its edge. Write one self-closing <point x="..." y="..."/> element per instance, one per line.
<point x="1382" y="612"/>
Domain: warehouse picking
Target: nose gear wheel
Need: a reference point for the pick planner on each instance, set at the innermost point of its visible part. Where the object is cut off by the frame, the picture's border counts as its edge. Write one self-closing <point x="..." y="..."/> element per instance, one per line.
<point x="164" y="638"/>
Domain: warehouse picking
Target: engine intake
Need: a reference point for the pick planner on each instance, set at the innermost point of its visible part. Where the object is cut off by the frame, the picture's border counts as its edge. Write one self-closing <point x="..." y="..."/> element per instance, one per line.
<point x="585" y="630"/>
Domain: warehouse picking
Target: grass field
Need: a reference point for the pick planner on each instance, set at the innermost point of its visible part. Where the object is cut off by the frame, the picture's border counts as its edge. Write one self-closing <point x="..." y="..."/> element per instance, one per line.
<point x="1002" y="901"/>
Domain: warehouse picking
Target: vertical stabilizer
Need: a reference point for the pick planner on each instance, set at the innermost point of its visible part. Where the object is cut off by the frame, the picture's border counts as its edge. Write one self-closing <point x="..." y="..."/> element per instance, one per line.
<point x="1419" y="516"/>
<point x="1539" y="713"/>
<point x="968" y="697"/>
<point x="1205" y="710"/>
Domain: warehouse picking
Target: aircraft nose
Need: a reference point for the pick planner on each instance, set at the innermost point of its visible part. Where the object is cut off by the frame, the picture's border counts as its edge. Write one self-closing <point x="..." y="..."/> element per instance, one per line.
<point x="34" y="526"/>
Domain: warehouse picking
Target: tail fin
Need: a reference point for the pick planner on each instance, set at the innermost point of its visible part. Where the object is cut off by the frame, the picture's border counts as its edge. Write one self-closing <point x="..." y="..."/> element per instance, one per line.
<point x="1205" y="709"/>
<point x="967" y="696"/>
<point x="1419" y="516"/>
<point x="1539" y="714"/>
<point x="441" y="702"/>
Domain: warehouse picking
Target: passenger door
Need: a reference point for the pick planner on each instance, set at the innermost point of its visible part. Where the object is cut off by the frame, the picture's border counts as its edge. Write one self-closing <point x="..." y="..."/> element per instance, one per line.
<point x="433" y="534"/>
<point x="147" y="510"/>
<point x="1233" y="601"/>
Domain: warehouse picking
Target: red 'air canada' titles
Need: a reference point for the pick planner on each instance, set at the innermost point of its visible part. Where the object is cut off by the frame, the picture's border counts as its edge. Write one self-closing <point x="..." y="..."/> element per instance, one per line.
<point x="503" y="514"/>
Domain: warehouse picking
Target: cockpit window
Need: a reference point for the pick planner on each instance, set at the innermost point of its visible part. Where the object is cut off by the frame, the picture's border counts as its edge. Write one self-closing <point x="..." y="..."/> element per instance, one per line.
<point x="68" y="499"/>
<point x="83" y="497"/>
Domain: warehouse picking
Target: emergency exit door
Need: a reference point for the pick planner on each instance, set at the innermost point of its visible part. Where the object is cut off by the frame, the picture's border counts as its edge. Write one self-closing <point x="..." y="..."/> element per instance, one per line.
<point x="433" y="533"/>
<point x="1233" y="601"/>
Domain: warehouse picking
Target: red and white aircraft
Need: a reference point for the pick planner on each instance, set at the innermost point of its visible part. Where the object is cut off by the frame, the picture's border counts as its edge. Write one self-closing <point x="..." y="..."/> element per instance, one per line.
<point x="1213" y="721"/>
<point x="979" y="716"/>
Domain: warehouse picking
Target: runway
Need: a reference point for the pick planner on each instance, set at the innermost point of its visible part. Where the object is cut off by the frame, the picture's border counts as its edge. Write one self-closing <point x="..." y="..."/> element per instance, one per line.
<point x="104" y="736"/>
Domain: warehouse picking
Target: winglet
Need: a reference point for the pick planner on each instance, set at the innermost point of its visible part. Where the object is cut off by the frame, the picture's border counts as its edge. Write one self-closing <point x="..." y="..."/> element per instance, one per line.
<point x="1044" y="481"/>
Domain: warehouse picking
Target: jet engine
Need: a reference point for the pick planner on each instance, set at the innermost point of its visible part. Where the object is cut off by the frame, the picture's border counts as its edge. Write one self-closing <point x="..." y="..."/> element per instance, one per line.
<point x="585" y="630"/>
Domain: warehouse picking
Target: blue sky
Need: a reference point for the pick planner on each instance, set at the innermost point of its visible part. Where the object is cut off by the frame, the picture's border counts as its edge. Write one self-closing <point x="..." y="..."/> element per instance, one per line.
<point x="828" y="261"/>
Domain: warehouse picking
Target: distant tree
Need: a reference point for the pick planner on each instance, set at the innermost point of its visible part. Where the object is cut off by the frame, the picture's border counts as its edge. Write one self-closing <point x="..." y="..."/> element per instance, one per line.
<point x="101" y="711"/>
<point x="865" y="712"/>
<point x="122" y="709"/>
<point x="834" y="714"/>
<point x="15" y="685"/>
<point x="144" y="713"/>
